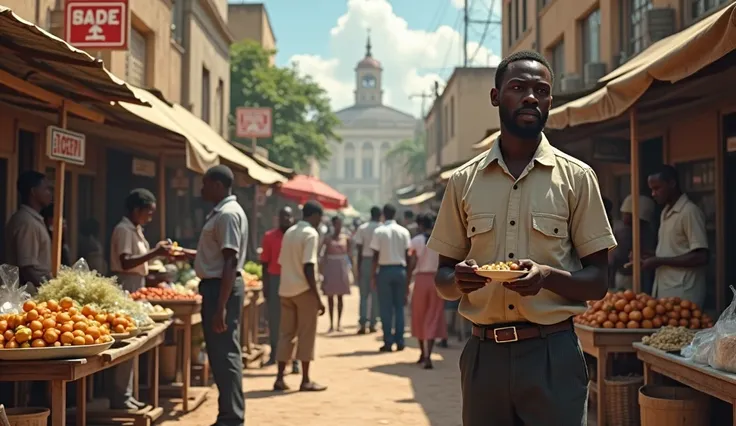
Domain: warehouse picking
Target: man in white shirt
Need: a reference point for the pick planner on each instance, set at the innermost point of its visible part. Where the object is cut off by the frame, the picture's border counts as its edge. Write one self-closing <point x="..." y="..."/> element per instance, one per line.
<point x="363" y="238"/>
<point x="390" y="245"/>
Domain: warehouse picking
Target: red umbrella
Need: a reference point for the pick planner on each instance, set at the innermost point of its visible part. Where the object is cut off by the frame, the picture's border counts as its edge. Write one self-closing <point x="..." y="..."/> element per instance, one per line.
<point x="303" y="188"/>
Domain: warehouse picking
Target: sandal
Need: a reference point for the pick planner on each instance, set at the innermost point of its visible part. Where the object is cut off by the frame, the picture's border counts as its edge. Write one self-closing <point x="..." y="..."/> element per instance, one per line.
<point x="280" y="386"/>
<point x="312" y="387"/>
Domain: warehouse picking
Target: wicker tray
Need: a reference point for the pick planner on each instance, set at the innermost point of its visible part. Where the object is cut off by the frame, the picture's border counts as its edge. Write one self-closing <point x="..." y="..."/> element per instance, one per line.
<point x="127" y="335"/>
<point x="622" y="400"/>
<point x="60" y="352"/>
<point x="161" y="316"/>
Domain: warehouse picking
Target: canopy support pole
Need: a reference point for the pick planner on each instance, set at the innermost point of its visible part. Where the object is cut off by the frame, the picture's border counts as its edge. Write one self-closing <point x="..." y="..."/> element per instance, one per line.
<point x="58" y="223"/>
<point x="162" y="194"/>
<point x="635" y="191"/>
<point x="254" y="225"/>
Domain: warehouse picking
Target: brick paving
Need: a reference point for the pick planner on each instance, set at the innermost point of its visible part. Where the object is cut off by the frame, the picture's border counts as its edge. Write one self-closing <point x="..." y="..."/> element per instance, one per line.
<point x="364" y="387"/>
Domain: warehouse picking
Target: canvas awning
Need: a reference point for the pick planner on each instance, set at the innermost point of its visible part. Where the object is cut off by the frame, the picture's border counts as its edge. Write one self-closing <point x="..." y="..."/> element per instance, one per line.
<point x="486" y="142"/>
<point x="419" y="199"/>
<point x="670" y="59"/>
<point x="205" y="147"/>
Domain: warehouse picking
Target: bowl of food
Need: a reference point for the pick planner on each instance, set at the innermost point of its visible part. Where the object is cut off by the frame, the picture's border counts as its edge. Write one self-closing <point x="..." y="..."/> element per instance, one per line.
<point x="502" y="271"/>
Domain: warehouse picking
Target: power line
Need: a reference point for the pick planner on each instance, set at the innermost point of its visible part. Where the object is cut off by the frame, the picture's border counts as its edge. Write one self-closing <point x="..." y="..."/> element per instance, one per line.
<point x="468" y="21"/>
<point x="452" y="44"/>
<point x="485" y="30"/>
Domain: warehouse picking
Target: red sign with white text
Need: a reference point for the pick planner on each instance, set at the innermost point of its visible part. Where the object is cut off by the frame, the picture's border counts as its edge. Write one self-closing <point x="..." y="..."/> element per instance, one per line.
<point x="253" y="122"/>
<point x="97" y="24"/>
<point x="63" y="145"/>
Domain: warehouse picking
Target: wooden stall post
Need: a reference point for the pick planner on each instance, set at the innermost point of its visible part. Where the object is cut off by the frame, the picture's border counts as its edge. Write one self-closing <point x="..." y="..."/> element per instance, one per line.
<point x="56" y="242"/>
<point x="162" y="194"/>
<point x="635" y="247"/>
<point x="254" y="225"/>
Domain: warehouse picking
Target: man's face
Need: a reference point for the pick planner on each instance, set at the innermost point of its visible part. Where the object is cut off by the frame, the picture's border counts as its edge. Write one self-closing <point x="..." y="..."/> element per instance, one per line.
<point x="627" y="219"/>
<point x="524" y="98"/>
<point x="42" y="193"/>
<point x="286" y="219"/>
<point x="209" y="189"/>
<point x="145" y="214"/>
<point x="660" y="188"/>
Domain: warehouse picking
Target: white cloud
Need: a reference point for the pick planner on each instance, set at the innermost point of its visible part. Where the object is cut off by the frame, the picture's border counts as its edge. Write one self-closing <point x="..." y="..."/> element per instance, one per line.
<point x="412" y="59"/>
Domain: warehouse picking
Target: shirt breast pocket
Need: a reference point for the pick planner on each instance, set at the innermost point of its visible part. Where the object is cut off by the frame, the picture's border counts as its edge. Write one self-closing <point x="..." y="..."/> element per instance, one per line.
<point x="550" y="241"/>
<point x="482" y="235"/>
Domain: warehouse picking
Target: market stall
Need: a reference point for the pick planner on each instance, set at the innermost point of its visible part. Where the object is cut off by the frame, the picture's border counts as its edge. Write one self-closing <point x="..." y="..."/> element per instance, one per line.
<point x="253" y="352"/>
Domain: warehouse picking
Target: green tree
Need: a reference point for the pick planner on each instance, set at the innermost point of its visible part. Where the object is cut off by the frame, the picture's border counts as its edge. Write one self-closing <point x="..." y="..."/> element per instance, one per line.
<point x="412" y="156"/>
<point x="302" y="119"/>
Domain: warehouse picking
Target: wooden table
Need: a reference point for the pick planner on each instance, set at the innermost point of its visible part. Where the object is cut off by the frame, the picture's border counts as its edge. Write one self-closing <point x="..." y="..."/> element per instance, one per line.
<point x="186" y="315"/>
<point x="252" y="351"/>
<point x="601" y="343"/>
<point x="702" y="378"/>
<point x="59" y="372"/>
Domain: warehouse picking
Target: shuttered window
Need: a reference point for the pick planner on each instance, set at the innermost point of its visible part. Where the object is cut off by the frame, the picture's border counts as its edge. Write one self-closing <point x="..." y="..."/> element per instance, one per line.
<point x="135" y="59"/>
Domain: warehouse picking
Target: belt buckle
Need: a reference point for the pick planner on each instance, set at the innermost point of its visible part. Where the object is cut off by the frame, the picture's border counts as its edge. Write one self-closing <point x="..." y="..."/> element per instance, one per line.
<point x="497" y="330"/>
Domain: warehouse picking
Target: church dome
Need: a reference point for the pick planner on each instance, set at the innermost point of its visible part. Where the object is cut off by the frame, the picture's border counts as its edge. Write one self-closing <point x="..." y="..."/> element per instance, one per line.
<point x="370" y="63"/>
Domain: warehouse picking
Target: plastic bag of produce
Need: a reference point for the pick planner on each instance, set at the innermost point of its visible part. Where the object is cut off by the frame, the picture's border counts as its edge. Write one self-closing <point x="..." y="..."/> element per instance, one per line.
<point x="723" y="354"/>
<point x="700" y="348"/>
<point x="12" y="294"/>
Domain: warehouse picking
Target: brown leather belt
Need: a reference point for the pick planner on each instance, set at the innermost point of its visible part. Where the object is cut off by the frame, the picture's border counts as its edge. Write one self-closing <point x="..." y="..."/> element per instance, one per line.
<point x="515" y="333"/>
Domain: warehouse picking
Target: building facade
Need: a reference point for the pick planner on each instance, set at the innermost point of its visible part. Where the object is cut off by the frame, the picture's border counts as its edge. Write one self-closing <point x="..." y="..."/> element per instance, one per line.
<point x="460" y="117"/>
<point x="586" y="39"/>
<point x="369" y="129"/>
<point x="250" y="21"/>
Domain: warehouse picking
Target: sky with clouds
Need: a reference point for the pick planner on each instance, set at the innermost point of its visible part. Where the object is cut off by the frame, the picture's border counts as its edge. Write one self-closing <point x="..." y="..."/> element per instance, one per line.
<point x="416" y="41"/>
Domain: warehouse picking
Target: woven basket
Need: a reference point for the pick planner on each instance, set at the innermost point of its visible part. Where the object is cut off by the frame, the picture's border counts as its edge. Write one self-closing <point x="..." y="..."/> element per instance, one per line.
<point x="27" y="416"/>
<point x="622" y="400"/>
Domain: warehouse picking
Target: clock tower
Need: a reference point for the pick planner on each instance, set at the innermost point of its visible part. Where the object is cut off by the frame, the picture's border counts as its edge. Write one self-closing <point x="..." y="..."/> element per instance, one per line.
<point x="368" y="91"/>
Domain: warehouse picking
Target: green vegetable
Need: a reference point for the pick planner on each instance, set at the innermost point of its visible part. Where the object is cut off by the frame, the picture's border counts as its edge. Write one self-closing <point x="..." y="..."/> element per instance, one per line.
<point x="254" y="268"/>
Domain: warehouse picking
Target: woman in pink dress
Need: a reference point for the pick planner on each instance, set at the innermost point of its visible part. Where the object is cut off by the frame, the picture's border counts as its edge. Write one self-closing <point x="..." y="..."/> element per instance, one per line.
<point x="336" y="271"/>
<point x="427" y="308"/>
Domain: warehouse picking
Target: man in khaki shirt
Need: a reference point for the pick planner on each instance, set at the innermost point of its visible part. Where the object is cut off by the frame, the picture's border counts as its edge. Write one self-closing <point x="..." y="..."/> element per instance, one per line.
<point x="682" y="251"/>
<point x="27" y="239"/>
<point x="527" y="202"/>
<point x="300" y="301"/>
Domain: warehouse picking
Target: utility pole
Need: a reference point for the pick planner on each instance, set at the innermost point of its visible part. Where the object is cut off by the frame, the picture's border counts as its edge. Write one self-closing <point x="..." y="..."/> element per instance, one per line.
<point x="438" y="123"/>
<point x="467" y="22"/>
<point x="424" y="97"/>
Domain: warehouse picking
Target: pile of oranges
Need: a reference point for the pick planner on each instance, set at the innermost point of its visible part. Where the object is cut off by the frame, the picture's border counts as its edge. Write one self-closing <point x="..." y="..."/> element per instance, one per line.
<point x="53" y="324"/>
<point x="630" y="310"/>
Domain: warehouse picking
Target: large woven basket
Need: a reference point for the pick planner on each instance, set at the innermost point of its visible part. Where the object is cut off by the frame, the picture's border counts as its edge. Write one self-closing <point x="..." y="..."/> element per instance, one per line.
<point x="27" y="416"/>
<point x="622" y="400"/>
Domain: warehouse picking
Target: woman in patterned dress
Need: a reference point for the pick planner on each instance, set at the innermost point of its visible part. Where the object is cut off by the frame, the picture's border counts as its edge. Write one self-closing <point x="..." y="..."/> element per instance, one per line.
<point x="335" y="266"/>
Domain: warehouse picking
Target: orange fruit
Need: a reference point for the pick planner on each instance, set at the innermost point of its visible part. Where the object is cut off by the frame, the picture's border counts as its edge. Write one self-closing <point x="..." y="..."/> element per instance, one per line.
<point x="66" y="338"/>
<point x="94" y="332"/>
<point x="78" y="333"/>
<point x="78" y="341"/>
<point x="8" y="334"/>
<point x="37" y="334"/>
<point x="35" y="325"/>
<point x="78" y="318"/>
<point x="647" y="324"/>
<point x="63" y="317"/>
<point x="57" y="344"/>
<point x="66" y="303"/>
<point x="32" y="315"/>
<point x="38" y="343"/>
<point x="635" y="316"/>
<point x="53" y="305"/>
<point x="80" y="326"/>
<point x="119" y="328"/>
<point x="67" y="327"/>
<point x="632" y="324"/>
<point x="49" y="323"/>
<point x="29" y="305"/>
<point x="11" y="345"/>
<point x="3" y="326"/>
<point x="51" y="335"/>
<point x="608" y="324"/>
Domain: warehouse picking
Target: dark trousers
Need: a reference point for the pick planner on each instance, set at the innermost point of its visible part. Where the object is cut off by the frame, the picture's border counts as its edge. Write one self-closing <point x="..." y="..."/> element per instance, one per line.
<point x="273" y="302"/>
<point x="368" y="307"/>
<point x="534" y="382"/>
<point x="224" y="351"/>
<point x="391" y="283"/>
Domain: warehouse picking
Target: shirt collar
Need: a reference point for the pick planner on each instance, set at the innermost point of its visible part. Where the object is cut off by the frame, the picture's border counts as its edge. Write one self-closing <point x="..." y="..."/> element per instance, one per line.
<point x="129" y="223"/>
<point x="30" y="210"/>
<point x="224" y="201"/>
<point x="389" y="222"/>
<point x="544" y="155"/>
<point x="679" y="204"/>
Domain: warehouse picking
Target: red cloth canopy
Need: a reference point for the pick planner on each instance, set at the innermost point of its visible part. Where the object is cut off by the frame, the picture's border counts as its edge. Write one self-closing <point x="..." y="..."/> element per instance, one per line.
<point x="303" y="188"/>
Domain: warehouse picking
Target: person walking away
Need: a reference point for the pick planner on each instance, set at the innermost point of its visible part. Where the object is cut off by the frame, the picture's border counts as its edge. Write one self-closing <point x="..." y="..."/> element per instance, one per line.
<point x="427" y="308"/>
<point x="336" y="270"/>
<point x="90" y="247"/>
<point x="410" y="223"/>
<point x="619" y="258"/>
<point x="129" y="257"/>
<point x="300" y="300"/>
<point x="390" y="245"/>
<point x="523" y="364"/>
<point x="271" y="246"/>
<point x="368" y="308"/>
<point x="27" y="239"/>
<point x="219" y="261"/>
<point x="682" y="253"/>
<point x="48" y="218"/>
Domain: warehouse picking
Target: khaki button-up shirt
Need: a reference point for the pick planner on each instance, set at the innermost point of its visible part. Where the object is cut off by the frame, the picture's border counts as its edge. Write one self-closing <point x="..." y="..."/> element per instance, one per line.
<point x="300" y="247"/>
<point x="552" y="214"/>
<point x="27" y="241"/>
<point x="127" y="238"/>
<point x="681" y="230"/>
<point x="226" y="227"/>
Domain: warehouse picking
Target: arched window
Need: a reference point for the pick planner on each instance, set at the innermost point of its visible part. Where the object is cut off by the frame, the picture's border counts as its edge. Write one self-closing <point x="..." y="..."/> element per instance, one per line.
<point x="385" y="147"/>
<point x="366" y="155"/>
<point x="349" y="161"/>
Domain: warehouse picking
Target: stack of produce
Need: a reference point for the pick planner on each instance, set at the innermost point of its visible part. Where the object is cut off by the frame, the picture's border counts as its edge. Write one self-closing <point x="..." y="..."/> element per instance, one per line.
<point x="670" y="338"/>
<point x="85" y="287"/>
<point x="62" y="323"/>
<point x="164" y="294"/>
<point x="629" y="310"/>
<point x="252" y="274"/>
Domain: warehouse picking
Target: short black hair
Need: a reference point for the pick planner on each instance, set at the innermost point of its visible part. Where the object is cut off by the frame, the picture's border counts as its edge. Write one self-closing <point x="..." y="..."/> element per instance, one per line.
<point x="312" y="208"/>
<point x="221" y="173"/>
<point x="335" y="218"/>
<point x="389" y="211"/>
<point x="139" y="198"/>
<point x="375" y="213"/>
<point x="668" y="174"/>
<point x="408" y="214"/>
<point x="426" y="221"/>
<point x="522" y="55"/>
<point x="27" y="181"/>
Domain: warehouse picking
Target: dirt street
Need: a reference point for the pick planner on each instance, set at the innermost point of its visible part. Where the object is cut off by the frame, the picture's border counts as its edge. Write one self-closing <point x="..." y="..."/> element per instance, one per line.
<point x="365" y="387"/>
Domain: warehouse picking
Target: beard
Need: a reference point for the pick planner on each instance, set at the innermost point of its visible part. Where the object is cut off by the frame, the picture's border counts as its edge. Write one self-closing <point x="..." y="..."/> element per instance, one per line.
<point x="529" y="131"/>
